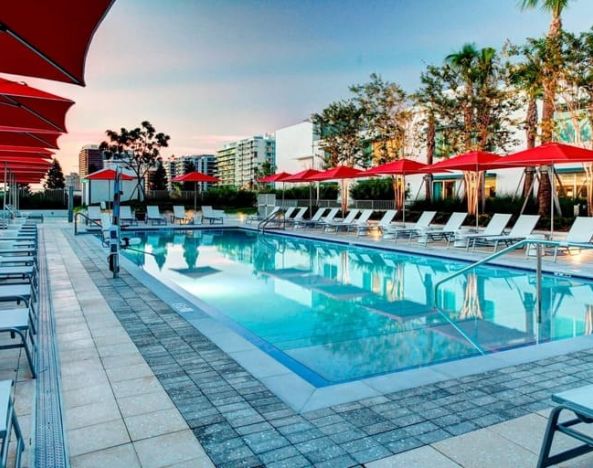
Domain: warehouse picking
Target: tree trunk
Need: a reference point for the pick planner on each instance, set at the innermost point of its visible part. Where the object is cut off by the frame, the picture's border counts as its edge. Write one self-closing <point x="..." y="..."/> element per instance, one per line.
<point x="531" y="131"/>
<point x="430" y="149"/>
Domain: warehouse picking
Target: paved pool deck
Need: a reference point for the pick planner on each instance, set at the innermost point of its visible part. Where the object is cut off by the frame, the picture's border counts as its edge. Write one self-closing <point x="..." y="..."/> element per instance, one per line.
<point x="144" y="387"/>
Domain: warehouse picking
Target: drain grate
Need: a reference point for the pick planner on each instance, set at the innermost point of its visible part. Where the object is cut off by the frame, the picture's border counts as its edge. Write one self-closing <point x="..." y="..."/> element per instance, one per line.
<point x="49" y="442"/>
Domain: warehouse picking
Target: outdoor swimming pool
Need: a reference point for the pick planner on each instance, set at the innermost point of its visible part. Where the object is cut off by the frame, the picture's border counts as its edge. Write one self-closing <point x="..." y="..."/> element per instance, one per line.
<point x="334" y="313"/>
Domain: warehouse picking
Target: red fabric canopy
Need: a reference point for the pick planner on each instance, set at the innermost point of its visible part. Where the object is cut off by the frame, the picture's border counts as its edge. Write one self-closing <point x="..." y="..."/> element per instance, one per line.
<point x="401" y="166"/>
<point x="471" y="161"/>
<point x="24" y="106"/>
<point x="337" y="173"/>
<point x="302" y="176"/>
<point x="545" y="155"/>
<point x="24" y="151"/>
<point x="32" y="161"/>
<point x="29" y="137"/>
<point x="48" y="39"/>
<point x="194" y="176"/>
<point x="274" y="177"/>
<point x="107" y="174"/>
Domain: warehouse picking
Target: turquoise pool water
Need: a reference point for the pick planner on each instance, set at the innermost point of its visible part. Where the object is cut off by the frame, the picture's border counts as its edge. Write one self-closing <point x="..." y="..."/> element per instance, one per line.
<point x="335" y="313"/>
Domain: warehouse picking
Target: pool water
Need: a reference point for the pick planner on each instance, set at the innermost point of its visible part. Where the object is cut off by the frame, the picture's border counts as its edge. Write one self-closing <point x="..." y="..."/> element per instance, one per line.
<point x="335" y="313"/>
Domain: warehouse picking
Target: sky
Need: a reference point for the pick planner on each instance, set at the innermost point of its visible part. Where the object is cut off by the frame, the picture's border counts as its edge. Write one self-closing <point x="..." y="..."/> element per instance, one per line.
<point x="207" y="72"/>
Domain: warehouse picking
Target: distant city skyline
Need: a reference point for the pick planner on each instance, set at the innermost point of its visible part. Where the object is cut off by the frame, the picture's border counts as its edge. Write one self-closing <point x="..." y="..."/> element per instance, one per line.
<point x="208" y="73"/>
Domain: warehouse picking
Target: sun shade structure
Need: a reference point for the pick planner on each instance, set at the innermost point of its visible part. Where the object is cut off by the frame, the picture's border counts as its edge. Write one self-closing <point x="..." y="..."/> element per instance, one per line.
<point x="24" y="151"/>
<point x="342" y="173"/>
<point x="274" y="178"/>
<point x="49" y="39"/>
<point x="473" y="164"/>
<point x="195" y="177"/>
<point x="399" y="168"/>
<point x="547" y="155"/>
<point x="25" y="106"/>
<point x="302" y="176"/>
<point x="107" y="174"/>
<point x="29" y="137"/>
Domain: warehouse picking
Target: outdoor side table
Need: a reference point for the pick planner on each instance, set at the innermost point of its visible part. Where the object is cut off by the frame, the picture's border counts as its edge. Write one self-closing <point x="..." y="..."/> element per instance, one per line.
<point x="580" y="402"/>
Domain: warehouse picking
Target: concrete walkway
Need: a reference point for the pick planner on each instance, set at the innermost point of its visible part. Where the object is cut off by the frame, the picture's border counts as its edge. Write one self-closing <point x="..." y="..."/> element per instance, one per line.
<point x="117" y="413"/>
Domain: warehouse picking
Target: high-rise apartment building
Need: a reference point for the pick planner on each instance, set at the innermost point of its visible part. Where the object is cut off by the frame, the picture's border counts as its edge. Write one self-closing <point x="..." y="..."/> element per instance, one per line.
<point x="72" y="180"/>
<point x="176" y="166"/>
<point x="90" y="159"/>
<point x="239" y="163"/>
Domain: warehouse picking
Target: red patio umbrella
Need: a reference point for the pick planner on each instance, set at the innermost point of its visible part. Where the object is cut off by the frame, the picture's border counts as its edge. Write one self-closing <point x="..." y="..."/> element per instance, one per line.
<point x="24" y="106"/>
<point x="473" y="164"/>
<point x="25" y="160"/>
<point x="24" y="151"/>
<point x="29" y="137"/>
<point x="195" y="177"/>
<point x="549" y="154"/>
<point x="105" y="174"/>
<point x="48" y="39"/>
<point x="400" y="167"/>
<point x="274" y="178"/>
<point x="302" y="176"/>
<point x="339" y="173"/>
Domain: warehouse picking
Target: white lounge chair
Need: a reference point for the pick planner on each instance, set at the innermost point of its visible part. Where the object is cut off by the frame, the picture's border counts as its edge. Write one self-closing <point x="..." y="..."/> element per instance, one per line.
<point x="383" y="223"/>
<point x="447" y="232"/>
<point x="580" y="232"/>
<point x="212" y="216"/>
<point x="324" y="220"/>
<point x="311" y="222"/>
<point x="256" y="218"/>
<point x="495" y="227"/>
<point x="522" y="229"/>
<point x="300" y="216"/>
<point x="9" y="425"/>
<point x="423" y="223"/>
<point x="179" y="214"/>
<point x="347" y="221"/>
<point x="362" y="220"/>
<point x="289" y="212"/>
<point x="153" y="215"/>
<point x="126" y="216"/>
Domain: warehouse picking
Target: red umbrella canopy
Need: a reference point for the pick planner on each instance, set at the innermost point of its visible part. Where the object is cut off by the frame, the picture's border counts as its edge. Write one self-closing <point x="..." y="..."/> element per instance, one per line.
<point x="545" y="155"/>
<point x="274" y="177"/>
<point x="48" y="39"/>
<point x="471" y="161"/>
<point x="30" y="161"/>
<point x="195" y="176"/>
<point x="107" y="174"/>
<point x="24" y="151"/>
<point x="338" y="173"/>
<point x="29" y="137"/>
<point x="401" y="166"/>
<point x="302" y="176"/>
<point x="24" y="106"/>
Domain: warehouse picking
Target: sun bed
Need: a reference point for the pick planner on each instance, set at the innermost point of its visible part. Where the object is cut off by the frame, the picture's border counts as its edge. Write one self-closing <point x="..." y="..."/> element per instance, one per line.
<point x="362" y="221"/>
<point x="8" y="425"/>
<point x="289" y="212"/>
<point x="7" y="260"/>
<point x="322" y="220"/>
<point x="213" y="216"/>
<point x="300" y="216"/>
<point x="94" y="213"/>
<point x="154" y="216"/>
<point x="580" y="232"/>
<point x="17" y="293"/>
<point x="384" y="223"/>
<point x="9" y="272"/>
<point x="580" y="402"/>
<point x="347" y="221"/>
<point x="495" y="227"/>
<point x="522" y="229"/>
<point x="16" y="323"/>
<point x="423" y="223"/>
<point x="447" y="232"/>
<point x="126" y="216"/>
<point x="256" y="218"/>
<point x="179" y="214"/>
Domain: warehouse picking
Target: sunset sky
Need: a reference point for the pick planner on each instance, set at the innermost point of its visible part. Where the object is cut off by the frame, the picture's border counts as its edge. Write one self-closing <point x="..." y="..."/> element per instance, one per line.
<point x="208" y="72"/>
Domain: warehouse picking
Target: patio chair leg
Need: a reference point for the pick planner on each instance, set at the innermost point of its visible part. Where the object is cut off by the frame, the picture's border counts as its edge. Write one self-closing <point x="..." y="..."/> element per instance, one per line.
<point x="549" y="437"/>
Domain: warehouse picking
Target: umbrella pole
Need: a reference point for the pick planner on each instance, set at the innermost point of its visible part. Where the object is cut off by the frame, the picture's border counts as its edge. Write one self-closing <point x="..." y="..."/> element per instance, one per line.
<point x="403" y="197"/>
<point x="552" y="195"/>
<point x="195" y="194"/>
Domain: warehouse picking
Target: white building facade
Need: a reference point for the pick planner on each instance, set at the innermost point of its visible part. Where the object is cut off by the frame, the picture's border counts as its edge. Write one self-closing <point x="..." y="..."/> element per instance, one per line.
<point x="239" y="163"/>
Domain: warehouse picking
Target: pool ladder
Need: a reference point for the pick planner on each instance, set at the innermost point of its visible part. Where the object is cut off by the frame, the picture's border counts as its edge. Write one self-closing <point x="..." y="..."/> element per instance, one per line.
<point x="539" y="244"/>
<point x="272" y="217"/>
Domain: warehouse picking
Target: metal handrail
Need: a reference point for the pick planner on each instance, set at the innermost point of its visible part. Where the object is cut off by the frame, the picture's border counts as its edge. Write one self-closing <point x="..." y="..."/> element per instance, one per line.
<point x="271" y="217"/>
<point x="92" y="221"/>
<point x="538" y="270"/>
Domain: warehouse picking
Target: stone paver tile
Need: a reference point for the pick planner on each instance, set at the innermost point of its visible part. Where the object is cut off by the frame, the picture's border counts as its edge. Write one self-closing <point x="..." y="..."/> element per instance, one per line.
<point x="94" y="413"/>
<point x="97" y="437"/>
<point x="146" y="403"/>
<point x="124" y="360"/>
<point x="169" y="449"/>
<point x="418" y="458"/>
<point x="84" y="396"/>
<point x="485" y="449"/>
<point x="129" y="372"/>
<point x="112" y="349"/>
<point x="83" y="380"/>
<point x="161" y="422"/>
<point x="122" y="456"/>
<point x="139" y="386"/>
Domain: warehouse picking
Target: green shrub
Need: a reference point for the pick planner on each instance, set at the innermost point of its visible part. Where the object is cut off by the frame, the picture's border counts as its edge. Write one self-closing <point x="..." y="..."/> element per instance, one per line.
<point x="373" y="189"/>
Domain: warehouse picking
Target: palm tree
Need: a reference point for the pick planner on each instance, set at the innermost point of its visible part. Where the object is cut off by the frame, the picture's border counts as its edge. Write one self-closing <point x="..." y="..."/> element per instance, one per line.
<point x="551" y="70"/>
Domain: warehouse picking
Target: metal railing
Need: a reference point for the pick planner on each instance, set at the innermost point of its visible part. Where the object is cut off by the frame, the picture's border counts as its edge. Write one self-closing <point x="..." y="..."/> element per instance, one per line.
<point x="272" y="217"/>
<point x="538" y="243"/>
<point x="88" y="221"/>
